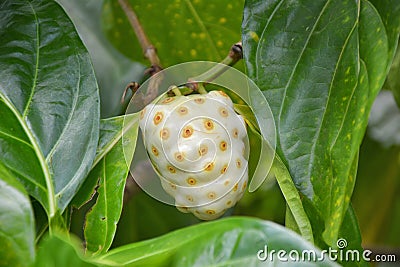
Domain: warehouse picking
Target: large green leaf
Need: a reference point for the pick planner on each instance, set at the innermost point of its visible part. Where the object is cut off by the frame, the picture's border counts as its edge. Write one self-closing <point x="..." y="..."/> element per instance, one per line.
<point x="113" y="70"/>
<point x="17" y="231"/>
<point x="61" y="251"/>
<point x="110" y="174"/>
<point x="49" y="103"/>
<point x="320" y="65"/>
<point x="227" y="242"/>
<point x="180" y="30"/>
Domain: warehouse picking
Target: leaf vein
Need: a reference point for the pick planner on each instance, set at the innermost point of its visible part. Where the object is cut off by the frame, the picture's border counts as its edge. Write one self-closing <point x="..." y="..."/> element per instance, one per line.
<point x="35" y="76"/>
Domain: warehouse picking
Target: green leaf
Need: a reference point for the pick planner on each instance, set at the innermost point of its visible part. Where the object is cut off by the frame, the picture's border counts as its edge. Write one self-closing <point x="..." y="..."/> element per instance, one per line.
<point x="320" y="75"/>
<point x="293" y="199"/>
<point x="349" y="231"/>
<point x="110" y="174"/>
<point x="227" y="242"/>
<point x="113" y="70"/>
<point x="49" y="102"/>
<point x="17" y="230"/>
<point x="393" y="80"/>
<point x="184" y="30"/>
<point x="61" y="251"/>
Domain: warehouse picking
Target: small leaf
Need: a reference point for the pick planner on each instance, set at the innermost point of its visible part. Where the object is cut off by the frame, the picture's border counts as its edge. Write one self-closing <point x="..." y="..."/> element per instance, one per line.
<point x="185" y="30"/>
<point x="49" y="102"/>
<point x="61" y="251"/>
<point x="17" y="236"/>
<point x="292" y="197"/>
<point x="234" y="241"/>
<point x="110" y="172"/>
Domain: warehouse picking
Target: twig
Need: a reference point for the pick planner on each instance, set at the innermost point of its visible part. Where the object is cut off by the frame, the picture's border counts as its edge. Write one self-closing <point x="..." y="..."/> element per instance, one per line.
<point x="149" y="51"/>
<point x="235" y="54"/>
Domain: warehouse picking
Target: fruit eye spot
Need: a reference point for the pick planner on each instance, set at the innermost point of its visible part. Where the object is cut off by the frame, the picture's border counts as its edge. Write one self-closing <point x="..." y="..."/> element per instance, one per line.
<point x="238" y="163"/>
<point x="164" y="133"/>
<point x="189" y="198"/>
<point x="179" y="156"/>
<point x="199" y="100"/>
<point x="187" y="131"/>
<point x="235" y="188"/>
<point x="154" y="150"/>
<point x="203" y="150"/>
<point x="211" y="195"/>
<point x="158" y="118"/>
<point x="208" y="124"/>
<point x="168" y="100"/>
<point x="191" y="181"/>
<point x="244" y="185"/>
<point x="223" y="145"/>
<point x="209" y="166"/>
<point x="222" y="93"/>
<point x="223" y="170"/>
<point x="223" y="112"/>
<point x="226" y="183"/>
<point x="210" y="212"/>
<point x="229" y="203"/>
<point x="183" y="110"/>
<point x="173" y="186"/>
<point x="235" y="133"/>
<point x="171" y="169"/>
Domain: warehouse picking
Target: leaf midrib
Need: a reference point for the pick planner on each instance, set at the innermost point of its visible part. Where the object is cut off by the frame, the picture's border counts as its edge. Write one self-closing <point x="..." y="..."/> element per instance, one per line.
<point x="202" y="26"/>
<point x="299" y="57"/>
<point x="312" y="155"/>
<point x="42" y="160"/>
<point x="27" y="130"/>
<point x="35" y="75"/>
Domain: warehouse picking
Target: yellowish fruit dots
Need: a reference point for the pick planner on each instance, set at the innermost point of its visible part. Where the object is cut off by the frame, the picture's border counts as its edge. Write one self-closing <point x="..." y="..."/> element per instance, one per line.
<point x="197" y="146"/>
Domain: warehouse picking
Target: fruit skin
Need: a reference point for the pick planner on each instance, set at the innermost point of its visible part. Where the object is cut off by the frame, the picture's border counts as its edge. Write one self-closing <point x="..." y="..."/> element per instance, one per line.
<point x="197" y="146"/>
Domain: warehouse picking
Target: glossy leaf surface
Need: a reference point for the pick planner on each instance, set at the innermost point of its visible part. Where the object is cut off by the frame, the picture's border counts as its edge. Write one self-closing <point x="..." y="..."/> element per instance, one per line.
<point x="320" y="65"/>
<point x="226" y="242"/>
<point x="110" y="175"/>
<point x="49" y="103"/>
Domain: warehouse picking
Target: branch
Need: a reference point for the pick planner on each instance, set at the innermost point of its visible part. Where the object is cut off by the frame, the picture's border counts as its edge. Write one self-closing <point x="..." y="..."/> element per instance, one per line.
<point x="235" y="54"/>
<point x="149" y="51"/>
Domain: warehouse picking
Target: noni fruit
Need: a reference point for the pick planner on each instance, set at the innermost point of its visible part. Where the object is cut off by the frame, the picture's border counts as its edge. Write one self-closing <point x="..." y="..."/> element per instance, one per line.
<point x="198" y="145"/>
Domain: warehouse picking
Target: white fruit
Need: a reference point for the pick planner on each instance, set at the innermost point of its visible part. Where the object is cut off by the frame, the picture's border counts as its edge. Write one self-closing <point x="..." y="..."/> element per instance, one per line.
<point x="197" y="146"/>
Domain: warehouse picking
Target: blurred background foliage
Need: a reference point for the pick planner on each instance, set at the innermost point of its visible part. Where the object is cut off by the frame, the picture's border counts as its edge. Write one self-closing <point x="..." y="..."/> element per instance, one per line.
<point x="376" y="199"/>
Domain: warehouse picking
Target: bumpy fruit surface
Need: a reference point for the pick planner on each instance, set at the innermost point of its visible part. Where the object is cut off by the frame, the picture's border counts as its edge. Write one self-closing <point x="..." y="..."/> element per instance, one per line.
<point x="197" y="145"/>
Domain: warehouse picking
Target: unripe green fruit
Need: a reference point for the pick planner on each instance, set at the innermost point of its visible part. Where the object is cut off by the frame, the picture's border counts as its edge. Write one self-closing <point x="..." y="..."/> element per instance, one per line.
<point x="197" y="146"/>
